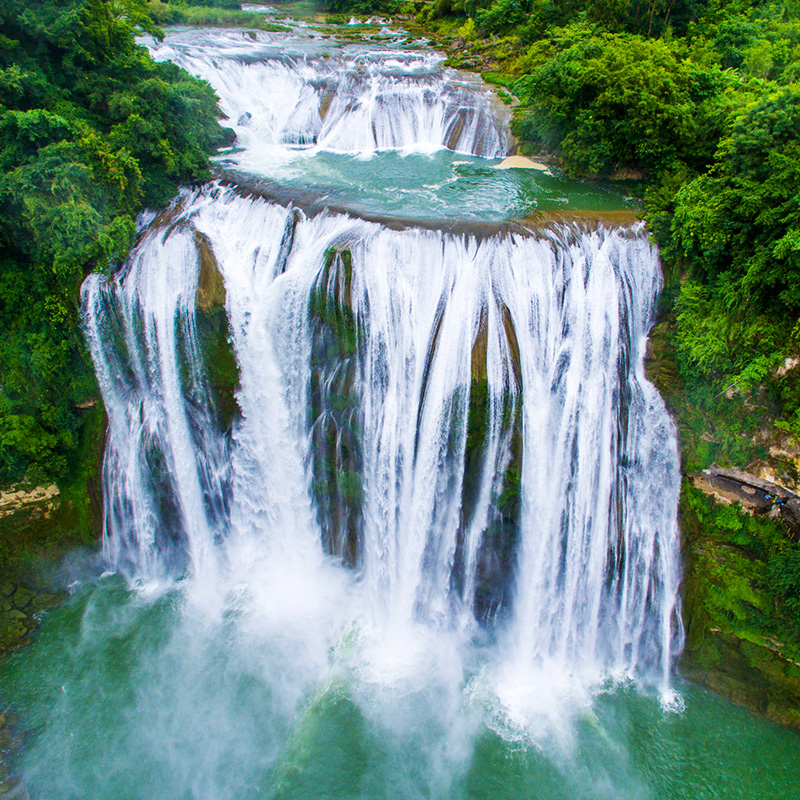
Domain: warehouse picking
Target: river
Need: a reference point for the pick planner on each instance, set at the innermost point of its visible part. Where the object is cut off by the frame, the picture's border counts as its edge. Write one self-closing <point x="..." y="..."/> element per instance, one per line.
<point x="421" y="542"/>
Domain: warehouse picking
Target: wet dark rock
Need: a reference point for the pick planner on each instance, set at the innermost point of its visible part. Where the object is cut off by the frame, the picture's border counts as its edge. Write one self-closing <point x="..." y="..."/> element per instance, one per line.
<point x="755" y="494"/>
<point x="755" y="676"/>
<point x="10" y="744"/>
<point x="335" y="417"/>
<point x="214" y="335"/>
<point x="20" y="611"/>
<point x="496" y="558"/>
<point x="23" y="597"/>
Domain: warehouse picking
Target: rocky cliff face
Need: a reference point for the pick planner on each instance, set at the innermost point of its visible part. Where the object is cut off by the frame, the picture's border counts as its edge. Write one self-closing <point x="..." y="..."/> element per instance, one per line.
<point x="39" y="524"/>
<point x="735" y="644"/>
<point x="735" y="525"/>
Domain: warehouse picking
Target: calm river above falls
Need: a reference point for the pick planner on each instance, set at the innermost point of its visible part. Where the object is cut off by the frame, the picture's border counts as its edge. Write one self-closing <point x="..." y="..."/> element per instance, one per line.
<point x="390" y="504"/>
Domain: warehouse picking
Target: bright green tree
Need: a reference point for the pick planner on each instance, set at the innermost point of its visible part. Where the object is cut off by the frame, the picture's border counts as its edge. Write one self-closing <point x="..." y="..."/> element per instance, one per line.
<point x="91" y="130"/>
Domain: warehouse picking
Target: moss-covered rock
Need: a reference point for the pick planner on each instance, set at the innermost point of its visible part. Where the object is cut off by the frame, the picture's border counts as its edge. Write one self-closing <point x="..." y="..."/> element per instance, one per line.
<point x="739" y="641"/>
<point x="10" y="745"/>
<point x="335" y="418"/>
<point x="214" y="336"/>
<point x="749" y="674"/>
<point x="496" y="556"/>
<point x="38" y="525"/>
<point x="742" y="635"/>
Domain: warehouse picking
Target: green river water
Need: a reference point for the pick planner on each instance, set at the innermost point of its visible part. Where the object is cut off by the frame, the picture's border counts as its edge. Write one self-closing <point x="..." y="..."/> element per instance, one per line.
<point x="123" y="696"/>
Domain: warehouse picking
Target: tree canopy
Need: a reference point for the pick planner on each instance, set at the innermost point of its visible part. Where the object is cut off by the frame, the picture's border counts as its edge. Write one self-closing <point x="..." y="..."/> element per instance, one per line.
<point x="91" y="131"/>
<point x="607" y="101"/>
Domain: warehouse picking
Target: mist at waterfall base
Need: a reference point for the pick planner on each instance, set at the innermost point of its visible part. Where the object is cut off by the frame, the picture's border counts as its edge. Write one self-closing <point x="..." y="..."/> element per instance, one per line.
<point x="128" y="696"/>
<point x="434" y="552"/>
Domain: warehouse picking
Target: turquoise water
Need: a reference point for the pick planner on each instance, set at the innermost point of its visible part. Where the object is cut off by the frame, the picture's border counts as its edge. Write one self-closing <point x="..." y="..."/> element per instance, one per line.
<point x="437" y="186"/>
<point x="124" y="696"/>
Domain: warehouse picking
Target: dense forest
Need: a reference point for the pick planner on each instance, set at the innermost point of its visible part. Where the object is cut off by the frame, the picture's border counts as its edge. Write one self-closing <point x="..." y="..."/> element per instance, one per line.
<point x="91" y="131"/>
<point x="693" y="106"/>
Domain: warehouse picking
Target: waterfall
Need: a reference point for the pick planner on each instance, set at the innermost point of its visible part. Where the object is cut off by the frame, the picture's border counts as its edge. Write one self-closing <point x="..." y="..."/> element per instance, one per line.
<point x="389" y="502"/>
<point x="389" y="447"/>
<point x="345" y="102"/>
<point x="461" y="422"/>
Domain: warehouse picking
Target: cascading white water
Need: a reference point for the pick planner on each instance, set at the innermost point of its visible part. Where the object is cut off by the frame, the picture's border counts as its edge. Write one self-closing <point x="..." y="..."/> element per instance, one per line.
<point x="506" y="460"/>
<point x="159" y="433"/>
<point x="442" y="444"/>
<point x="347" y="102"/>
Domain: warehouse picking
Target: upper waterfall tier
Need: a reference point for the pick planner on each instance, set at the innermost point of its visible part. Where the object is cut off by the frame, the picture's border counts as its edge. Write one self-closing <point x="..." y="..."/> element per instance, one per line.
<point x="352" y="100"/>
<point x="370" y="128"/>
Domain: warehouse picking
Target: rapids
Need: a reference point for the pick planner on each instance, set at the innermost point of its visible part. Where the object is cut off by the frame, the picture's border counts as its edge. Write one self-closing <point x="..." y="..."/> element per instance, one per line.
<point x="312" y="116"/>
<point x="287" y="94"/>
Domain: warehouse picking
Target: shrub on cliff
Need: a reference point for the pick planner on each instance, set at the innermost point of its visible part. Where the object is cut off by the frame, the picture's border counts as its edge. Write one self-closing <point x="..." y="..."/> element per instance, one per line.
<point x="739" y="225"/>
<point x="736" y="230"/>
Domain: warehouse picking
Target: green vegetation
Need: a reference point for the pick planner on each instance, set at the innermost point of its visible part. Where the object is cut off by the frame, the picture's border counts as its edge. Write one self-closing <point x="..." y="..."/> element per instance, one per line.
<point x="607" y="101"/>
<point x="91" y="131"/>
<point x="213" y="13"/>
<point x="749" y="567"/>
<point x="358" y="6"/>
<point x="741" y="592"/>
<point x="737" y="229"/>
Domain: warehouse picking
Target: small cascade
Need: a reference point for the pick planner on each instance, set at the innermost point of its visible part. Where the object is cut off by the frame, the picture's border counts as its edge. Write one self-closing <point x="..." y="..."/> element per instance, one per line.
<point x="462" y="422"/>
<point x="344" y="102"/>
<point x="166" y="470"/>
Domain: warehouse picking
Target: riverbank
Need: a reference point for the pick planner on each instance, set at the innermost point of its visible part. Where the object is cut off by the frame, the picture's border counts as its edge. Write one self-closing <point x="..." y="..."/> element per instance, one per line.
<point x="39" y="526"/>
